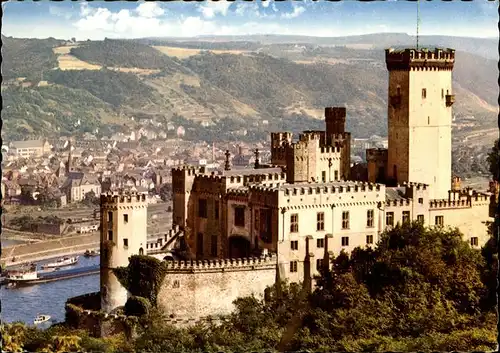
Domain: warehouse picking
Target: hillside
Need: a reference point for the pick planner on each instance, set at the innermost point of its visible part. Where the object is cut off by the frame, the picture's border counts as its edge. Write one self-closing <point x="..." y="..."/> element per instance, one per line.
<point x="27" y="57"/>
<point x="121" y="53"/>
<point x="230" y="86"/>
<point x="115" y="88"/>
<point x="49" y="111"/>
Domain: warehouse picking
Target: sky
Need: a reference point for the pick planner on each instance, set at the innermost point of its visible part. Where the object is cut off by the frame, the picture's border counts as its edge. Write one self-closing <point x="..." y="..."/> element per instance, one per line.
<point x="97" y="19"/>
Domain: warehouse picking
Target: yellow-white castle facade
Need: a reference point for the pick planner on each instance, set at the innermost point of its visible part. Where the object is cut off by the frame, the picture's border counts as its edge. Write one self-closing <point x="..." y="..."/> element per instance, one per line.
<point x="246" y="228"/>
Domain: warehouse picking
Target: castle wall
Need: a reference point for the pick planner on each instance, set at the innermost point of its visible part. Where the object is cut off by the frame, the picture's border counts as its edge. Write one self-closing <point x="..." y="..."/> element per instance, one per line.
<point x="470" y="219"/>
<point x="307" y="202"/>
<point x="192" y="291"/>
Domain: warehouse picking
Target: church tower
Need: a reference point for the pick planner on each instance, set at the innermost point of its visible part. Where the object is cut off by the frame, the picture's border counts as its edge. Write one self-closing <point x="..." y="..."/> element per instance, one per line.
<point x="124" y="221"/>
<point x="419" y="117"/>
<point x="69" y="162"/>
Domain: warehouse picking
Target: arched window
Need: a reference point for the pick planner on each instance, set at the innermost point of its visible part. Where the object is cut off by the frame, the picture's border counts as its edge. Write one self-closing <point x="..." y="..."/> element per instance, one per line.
<point x="141" y="251"/>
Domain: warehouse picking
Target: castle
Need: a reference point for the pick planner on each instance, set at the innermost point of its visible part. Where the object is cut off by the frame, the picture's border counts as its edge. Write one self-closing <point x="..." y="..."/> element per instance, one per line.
<point x="243" y="229"/>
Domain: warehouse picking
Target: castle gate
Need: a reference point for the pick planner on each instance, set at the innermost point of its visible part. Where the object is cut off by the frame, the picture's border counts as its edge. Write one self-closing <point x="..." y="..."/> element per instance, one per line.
<point x="239" y="247"/>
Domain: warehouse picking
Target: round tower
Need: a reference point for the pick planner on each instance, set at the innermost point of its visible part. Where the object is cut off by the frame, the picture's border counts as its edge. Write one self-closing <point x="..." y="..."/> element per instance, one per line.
<point x="124" y="222"/>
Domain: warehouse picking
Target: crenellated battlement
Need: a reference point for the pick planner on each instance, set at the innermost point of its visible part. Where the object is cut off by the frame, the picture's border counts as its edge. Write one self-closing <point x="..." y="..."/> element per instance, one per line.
<point x="238" y="192"/>
<point x="329" y="189"/>
<point x="224" y="265"/>
<point x="331" y="150"/>
<point x="423" y="59"/>
<point x="191" y="170"/>
<point x="310" y="136"/>
<point x="418" y="186"/>
<point x="398" y="203"/>
<point x="212" y="177"/>
<point x="122" y="198"/>
<point x="440" y="204"/>
<point x="256" y="178"/>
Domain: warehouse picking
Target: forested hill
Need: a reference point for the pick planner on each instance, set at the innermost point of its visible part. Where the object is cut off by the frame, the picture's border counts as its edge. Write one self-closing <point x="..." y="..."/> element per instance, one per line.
<point x="122" y="53"/>
<point x="245" y="83"/>
<point x="28" y="57"/>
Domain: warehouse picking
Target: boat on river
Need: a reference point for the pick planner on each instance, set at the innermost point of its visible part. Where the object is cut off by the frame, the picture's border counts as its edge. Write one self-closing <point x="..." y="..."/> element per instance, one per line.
<point x="62" y="262"/>
<point x="91" y="253"/>
<point x="22" y="276"/>
<point x="41" y="319"/>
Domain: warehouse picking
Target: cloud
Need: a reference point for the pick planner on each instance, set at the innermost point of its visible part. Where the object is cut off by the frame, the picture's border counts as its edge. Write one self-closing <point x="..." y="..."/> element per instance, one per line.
<point x="250" y="9"/>
<point x="150" y="10"/>
<point x="266" y="3"/>
<point x="60" y="12"/>
<point x="85" y="9"/>
<point x="211" y="8"/>
<point x="297" y="11"/>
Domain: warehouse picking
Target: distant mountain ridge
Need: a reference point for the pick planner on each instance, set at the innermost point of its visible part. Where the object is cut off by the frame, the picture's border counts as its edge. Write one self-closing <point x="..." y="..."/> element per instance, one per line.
<point x="230" y="86"/>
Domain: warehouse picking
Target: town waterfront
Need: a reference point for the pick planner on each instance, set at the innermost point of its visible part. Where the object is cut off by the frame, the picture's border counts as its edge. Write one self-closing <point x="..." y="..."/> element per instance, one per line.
<point x="25" y="303"/>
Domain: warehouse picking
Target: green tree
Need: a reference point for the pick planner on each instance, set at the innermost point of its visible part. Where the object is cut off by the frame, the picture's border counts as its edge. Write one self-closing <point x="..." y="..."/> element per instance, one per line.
<point x="13" y="336"/>
<point x="492" y="159"/>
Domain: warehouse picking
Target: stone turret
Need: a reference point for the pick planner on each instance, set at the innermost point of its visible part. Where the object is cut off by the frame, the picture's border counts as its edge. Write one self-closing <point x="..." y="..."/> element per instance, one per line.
<point x="123" y="234"/>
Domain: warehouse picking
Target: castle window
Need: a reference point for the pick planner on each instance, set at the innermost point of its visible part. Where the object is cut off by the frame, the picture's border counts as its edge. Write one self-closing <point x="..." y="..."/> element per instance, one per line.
<point x="369" y="239"/>
<point x="345" y="241"/>
<point x="176" y="284"/>
<point x="424" y="93"/>
<point x="406" y="216"/>
<point x="239" y="216"/>
<point x="420" y="200"/>
<point x="336" y="173"/>
<point x="474" y="241"/>
<point x="320" y="243"/>
<point x="398" y="91"/>
<point x="125" y="243"/>
<point x="294" y="245"/>
<point x="439" y="220"/>
<point x="202" y="208"/>
<point x="428" y="120"/>
<point x="216" y="209"/>
<point x="141" y="251"/>
<point x="323" y="176"/>
<point x="213" y="246"/>
<point x="110" y="216"/>
<point x="294" y="223"/>
<point x="319" y="264"/>
<point x="369" y="218"/>
<point x="320" y="221"/>
<point x="125" y="218"/>
<point x="442" y="93"/>
<point x="389" y="219"/>
<point x="199" y="244"/>
<point x="345" y="220"/>
<point x="420" y="218"/>
<point x="110" y="235"/>
<point x="293" y="266"/>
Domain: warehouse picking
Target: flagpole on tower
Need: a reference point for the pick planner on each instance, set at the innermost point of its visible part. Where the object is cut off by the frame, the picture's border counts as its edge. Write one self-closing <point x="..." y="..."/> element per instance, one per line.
<point x="418" y="20"/>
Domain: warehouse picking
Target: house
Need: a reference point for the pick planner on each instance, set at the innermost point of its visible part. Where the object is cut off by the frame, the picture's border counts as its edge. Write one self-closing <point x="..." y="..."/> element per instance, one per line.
<point x="78" y="184"/>
<point x="31" y="148"/>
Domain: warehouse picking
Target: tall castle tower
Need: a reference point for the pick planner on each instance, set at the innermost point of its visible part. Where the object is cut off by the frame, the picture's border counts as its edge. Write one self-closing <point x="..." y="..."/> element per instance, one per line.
<point x="419" y="117"/>
<point x="124" y="222"/>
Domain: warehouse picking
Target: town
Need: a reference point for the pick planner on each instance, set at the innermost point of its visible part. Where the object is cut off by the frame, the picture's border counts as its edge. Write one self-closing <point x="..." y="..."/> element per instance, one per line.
<point x="167" y="186"/>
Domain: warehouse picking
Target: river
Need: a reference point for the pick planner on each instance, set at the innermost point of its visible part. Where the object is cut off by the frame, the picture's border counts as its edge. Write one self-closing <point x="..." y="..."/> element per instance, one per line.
<point x="25" y="303"/>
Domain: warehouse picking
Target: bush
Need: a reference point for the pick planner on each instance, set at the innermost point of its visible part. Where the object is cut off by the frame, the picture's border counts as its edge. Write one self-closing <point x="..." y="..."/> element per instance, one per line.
<point x="137" y="306"/>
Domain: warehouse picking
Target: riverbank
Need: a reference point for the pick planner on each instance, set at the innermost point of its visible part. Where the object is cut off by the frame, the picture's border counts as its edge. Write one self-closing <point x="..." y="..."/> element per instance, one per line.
<point x="43" y="250"/>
